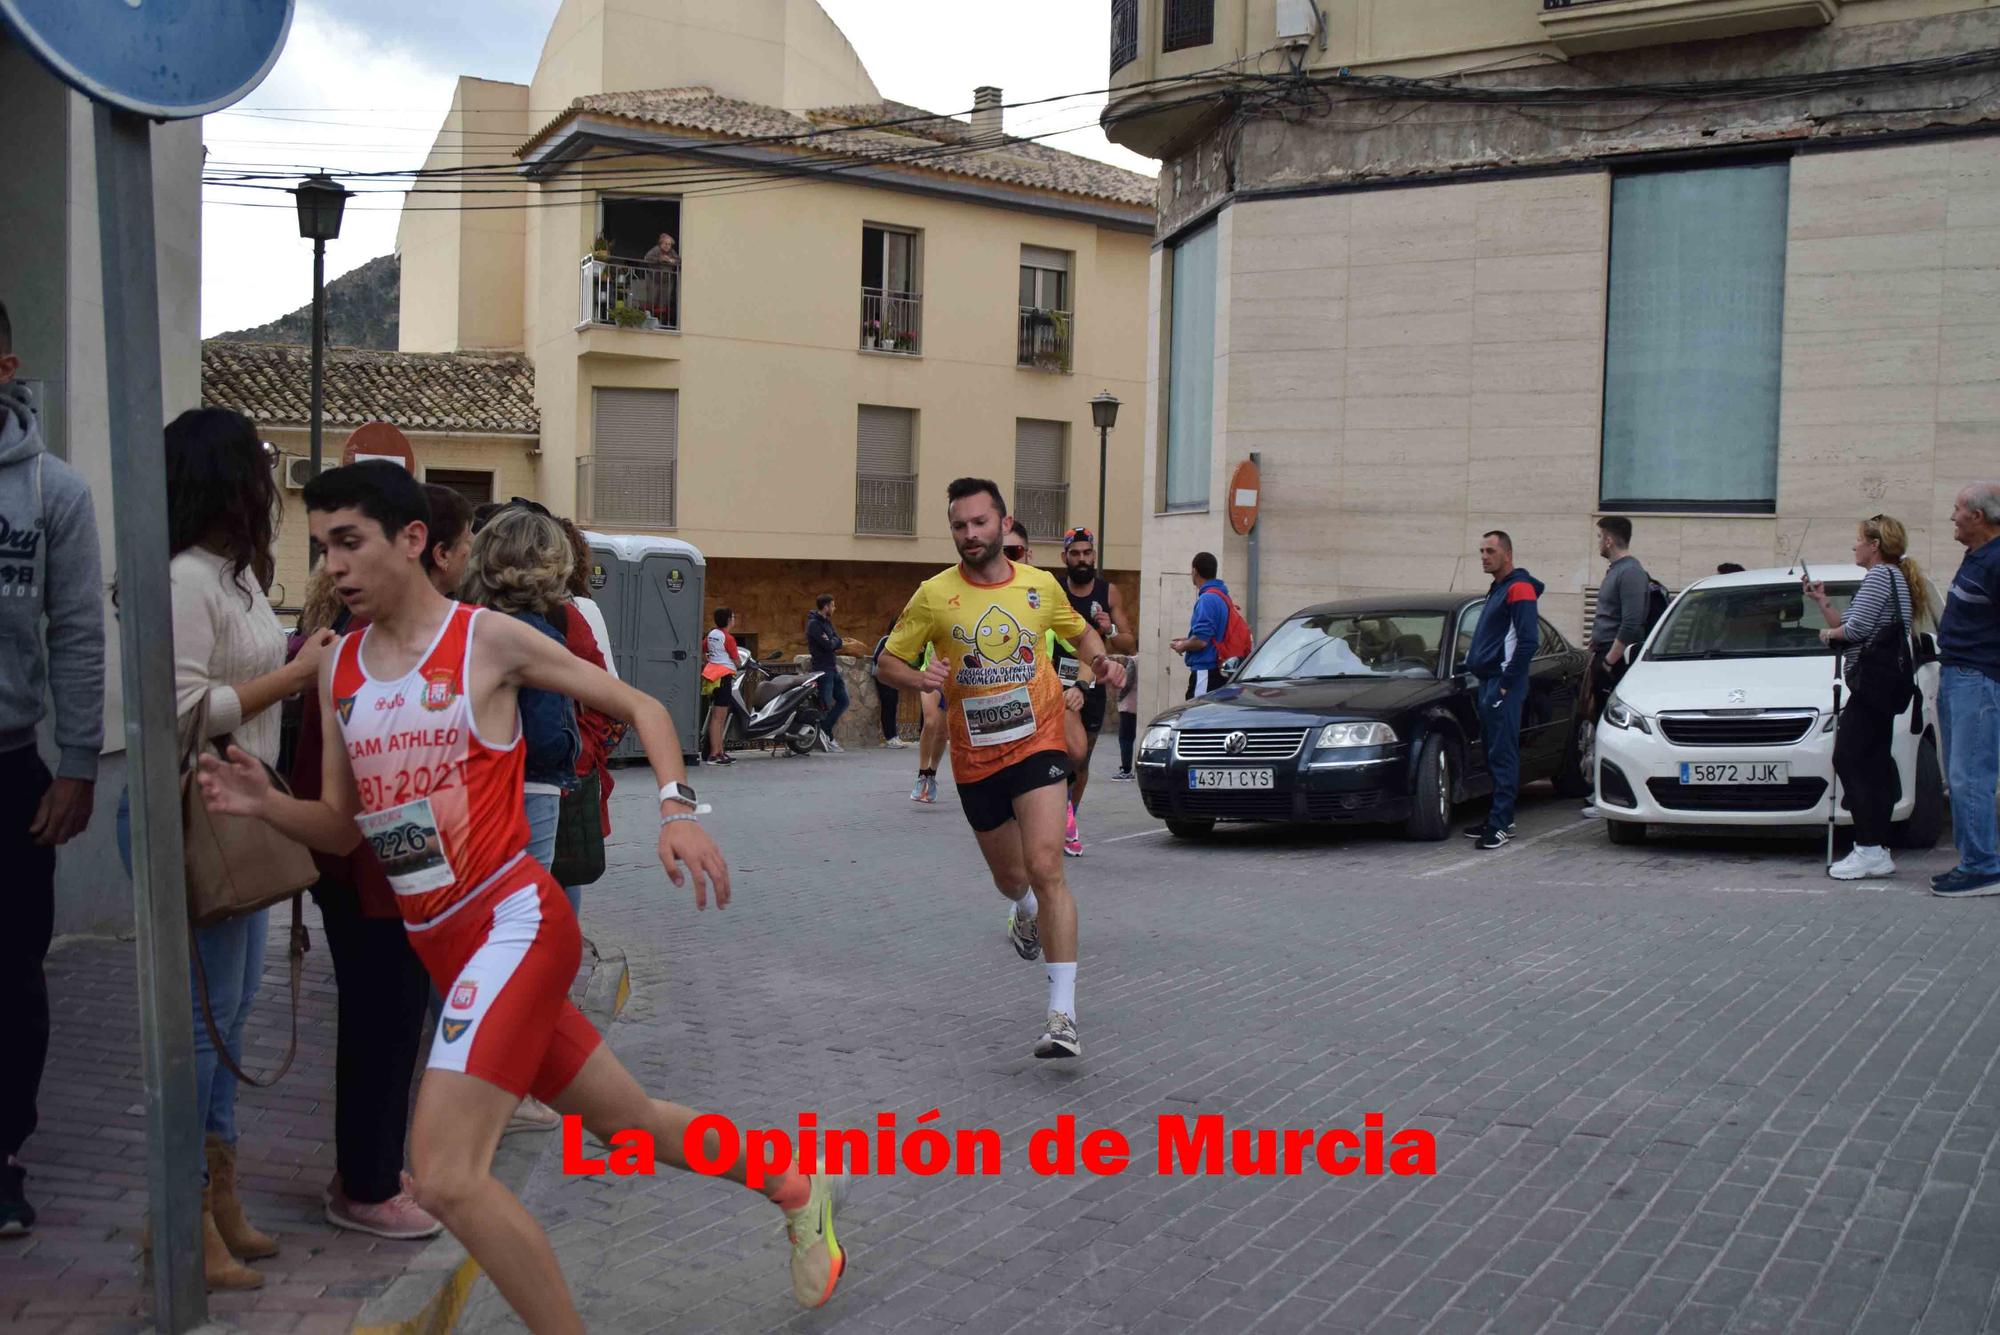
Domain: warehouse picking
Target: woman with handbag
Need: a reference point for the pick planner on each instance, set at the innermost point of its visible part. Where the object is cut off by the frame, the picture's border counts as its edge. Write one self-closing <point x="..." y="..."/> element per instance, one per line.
<point x="1894" y="600"/>
<point x="585" y="821"/>
<point x="230" y="673"/>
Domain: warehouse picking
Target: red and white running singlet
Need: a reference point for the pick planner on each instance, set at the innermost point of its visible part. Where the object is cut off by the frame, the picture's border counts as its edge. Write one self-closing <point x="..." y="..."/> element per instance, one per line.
<point x="441" y="806"/>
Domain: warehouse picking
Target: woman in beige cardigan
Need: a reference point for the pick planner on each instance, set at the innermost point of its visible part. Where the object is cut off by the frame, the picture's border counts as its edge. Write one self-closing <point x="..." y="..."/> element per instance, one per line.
<point x="229" y="653"/>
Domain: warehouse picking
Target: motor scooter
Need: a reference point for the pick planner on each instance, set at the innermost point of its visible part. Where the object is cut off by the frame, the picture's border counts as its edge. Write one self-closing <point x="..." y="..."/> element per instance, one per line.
<point x="767" y="703"/>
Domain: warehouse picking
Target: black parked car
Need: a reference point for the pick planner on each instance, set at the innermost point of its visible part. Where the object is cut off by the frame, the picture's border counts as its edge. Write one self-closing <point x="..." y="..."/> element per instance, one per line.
<point x="1357" y="712"/>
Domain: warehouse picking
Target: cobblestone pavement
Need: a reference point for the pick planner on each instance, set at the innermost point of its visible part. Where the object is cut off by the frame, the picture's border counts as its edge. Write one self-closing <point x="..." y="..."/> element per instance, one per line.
<point x="1691" y="1086"/>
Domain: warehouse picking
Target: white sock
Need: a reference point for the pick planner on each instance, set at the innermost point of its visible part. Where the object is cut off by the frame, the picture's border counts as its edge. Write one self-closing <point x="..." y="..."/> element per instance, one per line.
<point x="1062" y="988"/>
<point x="1026" y="905"/>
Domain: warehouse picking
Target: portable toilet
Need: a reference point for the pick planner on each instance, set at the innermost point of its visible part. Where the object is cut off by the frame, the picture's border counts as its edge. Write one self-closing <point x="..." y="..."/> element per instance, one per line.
<point x="650" y="590"/>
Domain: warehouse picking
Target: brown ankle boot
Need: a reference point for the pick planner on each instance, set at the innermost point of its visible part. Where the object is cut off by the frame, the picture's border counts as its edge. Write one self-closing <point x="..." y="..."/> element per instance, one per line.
<point x="222" y="1270"/>
<point x="243" y="1240"/>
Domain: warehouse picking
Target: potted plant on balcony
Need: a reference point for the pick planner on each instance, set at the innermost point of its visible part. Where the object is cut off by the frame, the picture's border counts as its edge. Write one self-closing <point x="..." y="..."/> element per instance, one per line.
<point x="627" y="316"/>
<point x="871" y="333"/>
<point x="600" y="250"/>
<point x="905" y="341"/>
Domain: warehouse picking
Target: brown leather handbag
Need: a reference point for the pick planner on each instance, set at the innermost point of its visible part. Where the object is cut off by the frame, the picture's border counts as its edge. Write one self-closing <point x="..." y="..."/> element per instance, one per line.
<point x="235" y="866"/>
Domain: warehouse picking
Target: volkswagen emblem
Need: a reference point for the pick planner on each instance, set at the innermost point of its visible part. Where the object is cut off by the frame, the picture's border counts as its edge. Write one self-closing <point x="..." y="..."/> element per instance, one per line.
<point x="1234" y="743"/>
<point x="1737" y="697"/>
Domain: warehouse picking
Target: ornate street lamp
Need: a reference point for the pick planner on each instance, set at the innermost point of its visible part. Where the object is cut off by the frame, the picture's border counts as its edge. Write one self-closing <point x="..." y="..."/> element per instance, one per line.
<point x="321" y="201"/>
<point x="1104" y="415"/>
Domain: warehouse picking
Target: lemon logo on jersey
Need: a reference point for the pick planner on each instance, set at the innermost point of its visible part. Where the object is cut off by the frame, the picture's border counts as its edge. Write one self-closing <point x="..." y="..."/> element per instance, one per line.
<point x="453" y="1030"/>
<point x="997" y="638"/>
<point x="438" y="689"/>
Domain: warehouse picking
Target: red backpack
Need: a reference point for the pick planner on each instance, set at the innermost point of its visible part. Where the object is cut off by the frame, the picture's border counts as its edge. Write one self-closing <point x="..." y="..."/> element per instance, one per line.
<point x="1236" y="644"/>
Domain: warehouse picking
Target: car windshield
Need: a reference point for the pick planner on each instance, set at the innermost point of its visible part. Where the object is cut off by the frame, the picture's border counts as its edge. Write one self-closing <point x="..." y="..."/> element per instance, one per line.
<point x="1748" y="621"/>
<point x="1349" y="644"/>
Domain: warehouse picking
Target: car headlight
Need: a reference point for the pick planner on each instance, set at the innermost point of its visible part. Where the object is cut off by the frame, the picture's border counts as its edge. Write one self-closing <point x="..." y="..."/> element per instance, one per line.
<point x="1159" y="737"/>
<point x="1336" y="735"/>
<point x="1621" y="715"/>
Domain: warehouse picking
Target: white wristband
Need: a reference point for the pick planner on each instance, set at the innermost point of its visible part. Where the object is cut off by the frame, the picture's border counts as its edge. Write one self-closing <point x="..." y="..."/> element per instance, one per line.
<point x="678" y="817"/>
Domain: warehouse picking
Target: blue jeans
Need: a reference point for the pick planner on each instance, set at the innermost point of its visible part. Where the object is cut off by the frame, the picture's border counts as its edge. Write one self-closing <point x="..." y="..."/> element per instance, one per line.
<point x="1969" y="710"/>
<point x="232" y="956"/>
<point x="1500" y="730"/>
<point x="543" y="811"/>
<point x="832" y="698"/>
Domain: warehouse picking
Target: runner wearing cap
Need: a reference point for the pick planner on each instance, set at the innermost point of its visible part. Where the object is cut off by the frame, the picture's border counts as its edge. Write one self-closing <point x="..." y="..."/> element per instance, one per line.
<point x="1098" y="601"/>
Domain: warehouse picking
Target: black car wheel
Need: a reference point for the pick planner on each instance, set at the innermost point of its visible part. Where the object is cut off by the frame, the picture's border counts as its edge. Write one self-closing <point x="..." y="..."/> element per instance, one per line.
<point x="1195" y="828"/>
<point x="1430" y="806"/>
<point x="1926" y="823"/>
<point x="1625" y="831"/>
<point x="1572" y="776"/>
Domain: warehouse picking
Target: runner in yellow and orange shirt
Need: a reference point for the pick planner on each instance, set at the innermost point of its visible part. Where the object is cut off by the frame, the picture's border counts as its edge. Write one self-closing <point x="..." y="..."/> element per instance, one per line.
<point x="986" y="620"/>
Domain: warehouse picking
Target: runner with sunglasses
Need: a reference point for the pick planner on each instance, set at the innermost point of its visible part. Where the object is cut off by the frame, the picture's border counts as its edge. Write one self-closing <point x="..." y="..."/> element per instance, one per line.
<point x="986" y="619"/>
<point x="1098" y="601"/>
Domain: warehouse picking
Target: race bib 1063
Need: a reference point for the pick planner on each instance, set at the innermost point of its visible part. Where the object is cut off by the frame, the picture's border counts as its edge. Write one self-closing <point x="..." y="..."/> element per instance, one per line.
<point x="407" y="844"/>
<point x="993" y="720"/>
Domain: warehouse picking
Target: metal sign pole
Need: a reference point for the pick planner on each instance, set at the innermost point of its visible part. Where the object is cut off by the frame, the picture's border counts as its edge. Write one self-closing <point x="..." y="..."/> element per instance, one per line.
<point x="1250" y="602"/>
<point x="146" y="633"/>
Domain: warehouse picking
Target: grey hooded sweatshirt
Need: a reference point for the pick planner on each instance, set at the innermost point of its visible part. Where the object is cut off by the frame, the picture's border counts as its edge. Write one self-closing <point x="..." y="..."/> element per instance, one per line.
<point x="51" y="596"/>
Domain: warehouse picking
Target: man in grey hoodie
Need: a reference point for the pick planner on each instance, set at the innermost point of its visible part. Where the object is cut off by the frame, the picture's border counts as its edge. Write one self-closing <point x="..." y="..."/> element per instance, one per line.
<point x="51" y="644"/>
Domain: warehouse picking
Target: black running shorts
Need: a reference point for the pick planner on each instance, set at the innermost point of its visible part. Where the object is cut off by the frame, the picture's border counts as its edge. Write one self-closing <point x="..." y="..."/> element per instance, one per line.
<point x="1093" y="708"/>
<point x="989" y="804"/>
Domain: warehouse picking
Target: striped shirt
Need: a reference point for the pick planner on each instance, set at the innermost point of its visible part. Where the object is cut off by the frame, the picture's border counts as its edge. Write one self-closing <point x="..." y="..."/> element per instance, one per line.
<point x="1869" y="613"/>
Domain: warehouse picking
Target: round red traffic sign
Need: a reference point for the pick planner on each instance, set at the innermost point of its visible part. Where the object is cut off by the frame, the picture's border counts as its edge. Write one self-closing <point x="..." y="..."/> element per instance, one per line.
<point x="1244" y="486"/>
<point x="379" y="440"/>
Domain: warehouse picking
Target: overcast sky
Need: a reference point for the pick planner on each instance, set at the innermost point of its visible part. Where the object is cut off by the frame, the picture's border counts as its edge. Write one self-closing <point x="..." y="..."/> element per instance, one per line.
<point x="363" y="85"/>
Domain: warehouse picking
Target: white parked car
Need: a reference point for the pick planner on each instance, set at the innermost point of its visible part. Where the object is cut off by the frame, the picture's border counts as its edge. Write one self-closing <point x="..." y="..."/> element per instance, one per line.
<point x="1726" y="717"/>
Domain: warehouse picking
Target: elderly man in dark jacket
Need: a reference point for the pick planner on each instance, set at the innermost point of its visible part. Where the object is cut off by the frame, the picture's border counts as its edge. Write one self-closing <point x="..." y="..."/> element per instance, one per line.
<point x="1510" y="630"/>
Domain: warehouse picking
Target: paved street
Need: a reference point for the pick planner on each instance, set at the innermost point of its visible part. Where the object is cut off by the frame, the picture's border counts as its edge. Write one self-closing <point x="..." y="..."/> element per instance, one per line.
<point x="1688" y="1087"/>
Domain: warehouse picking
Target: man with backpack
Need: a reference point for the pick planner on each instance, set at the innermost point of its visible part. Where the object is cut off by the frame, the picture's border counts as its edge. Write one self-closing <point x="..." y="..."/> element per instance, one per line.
<point x="1218" y="638"/>
<point x="1628" y="603"/>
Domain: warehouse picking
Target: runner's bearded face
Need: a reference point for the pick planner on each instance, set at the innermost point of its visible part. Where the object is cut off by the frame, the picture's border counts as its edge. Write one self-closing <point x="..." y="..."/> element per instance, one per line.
<point x="976" y="529"/>
<point x="1081" y="558"/>
<point x="371" y="570"/>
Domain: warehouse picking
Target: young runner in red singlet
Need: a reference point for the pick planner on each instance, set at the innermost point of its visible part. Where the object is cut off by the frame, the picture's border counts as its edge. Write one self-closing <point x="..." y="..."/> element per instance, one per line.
<point x="429" y="771"/>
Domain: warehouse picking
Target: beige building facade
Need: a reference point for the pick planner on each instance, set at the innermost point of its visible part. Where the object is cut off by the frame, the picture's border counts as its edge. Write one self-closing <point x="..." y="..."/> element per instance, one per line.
<point x="1745" y="321"/>
<point x="863" y="302"/>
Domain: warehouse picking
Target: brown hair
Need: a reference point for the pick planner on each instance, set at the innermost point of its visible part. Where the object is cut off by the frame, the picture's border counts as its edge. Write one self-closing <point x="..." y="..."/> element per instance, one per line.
<point x="520" y="563"/>
<point x="1889" y="534"/>
<point x="579" y="551"/>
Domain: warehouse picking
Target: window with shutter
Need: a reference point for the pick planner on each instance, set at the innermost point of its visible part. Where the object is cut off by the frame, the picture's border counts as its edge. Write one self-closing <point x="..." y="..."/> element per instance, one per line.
<point x="1041" y="476"/>
<point x="635" y="457"/>
<point x="885" y="471"/>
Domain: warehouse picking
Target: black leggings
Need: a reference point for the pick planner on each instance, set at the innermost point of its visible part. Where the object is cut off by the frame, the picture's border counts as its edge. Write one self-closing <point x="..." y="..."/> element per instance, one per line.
<point x="885" y="696"/>
<point x="1869" y="784"/>
<point x="1128" y="735"/>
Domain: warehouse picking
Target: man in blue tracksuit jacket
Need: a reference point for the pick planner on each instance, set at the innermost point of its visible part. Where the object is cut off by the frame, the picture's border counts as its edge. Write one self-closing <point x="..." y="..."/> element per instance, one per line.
<point x="1510" y="630"/>
<point x="1206" y="626"/>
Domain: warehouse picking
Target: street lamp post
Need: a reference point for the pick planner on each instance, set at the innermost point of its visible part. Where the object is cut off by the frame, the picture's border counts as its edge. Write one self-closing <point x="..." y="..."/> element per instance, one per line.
<point x="1104" y="415"/>
<point x="321" y="201"/>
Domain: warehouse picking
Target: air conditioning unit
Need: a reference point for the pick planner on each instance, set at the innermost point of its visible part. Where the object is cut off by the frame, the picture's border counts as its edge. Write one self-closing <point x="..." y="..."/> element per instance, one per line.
<point x="1299" y="22"/>
<point x="298" y="472"/>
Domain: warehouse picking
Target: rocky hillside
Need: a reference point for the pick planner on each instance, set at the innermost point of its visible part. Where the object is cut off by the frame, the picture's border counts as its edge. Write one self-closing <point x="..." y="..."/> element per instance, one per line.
<point x="361" y="311"/>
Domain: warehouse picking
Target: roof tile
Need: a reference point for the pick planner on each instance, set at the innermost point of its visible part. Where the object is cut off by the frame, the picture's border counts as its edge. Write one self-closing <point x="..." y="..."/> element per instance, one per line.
<point x="471" y="392"/>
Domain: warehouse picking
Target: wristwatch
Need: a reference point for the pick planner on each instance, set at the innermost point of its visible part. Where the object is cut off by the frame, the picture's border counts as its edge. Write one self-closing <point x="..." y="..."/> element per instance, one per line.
<point x="679" y="792"/>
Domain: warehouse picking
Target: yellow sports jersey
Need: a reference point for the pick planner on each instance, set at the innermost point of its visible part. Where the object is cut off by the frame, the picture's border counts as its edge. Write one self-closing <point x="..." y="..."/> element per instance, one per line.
<point x="1002" y="697"/>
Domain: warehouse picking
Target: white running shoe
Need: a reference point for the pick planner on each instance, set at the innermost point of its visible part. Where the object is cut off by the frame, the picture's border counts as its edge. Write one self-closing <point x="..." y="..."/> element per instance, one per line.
<point x="1862" y="863"/>
<point x="894" y="744"/>
<point x="832" y="747"/>
<point x="1059" y="1039"/>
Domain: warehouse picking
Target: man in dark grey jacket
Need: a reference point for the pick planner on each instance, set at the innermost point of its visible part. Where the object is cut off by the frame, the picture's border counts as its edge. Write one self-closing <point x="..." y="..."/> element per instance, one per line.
<point x="1622" y="600"/>
<point x="51" y="644"/>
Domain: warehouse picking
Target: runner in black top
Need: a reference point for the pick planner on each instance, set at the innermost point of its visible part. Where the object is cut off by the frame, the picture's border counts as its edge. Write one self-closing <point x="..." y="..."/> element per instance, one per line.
<point x="1100" y="603"/>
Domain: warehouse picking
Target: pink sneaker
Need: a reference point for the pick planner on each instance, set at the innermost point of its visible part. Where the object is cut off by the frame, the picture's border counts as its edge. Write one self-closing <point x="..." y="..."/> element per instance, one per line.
<point x="399" y="1217"/>
<point x="1072" y="845"/>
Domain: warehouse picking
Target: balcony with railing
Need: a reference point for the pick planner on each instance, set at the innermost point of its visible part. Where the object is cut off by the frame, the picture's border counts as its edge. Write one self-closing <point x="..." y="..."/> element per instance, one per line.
<point x="1124" y="33"/>
<point x="1047" y="339"/>
<point x="1044" y="509"/>
<point x="1188" y="23"/>
<point x="630" y="294"/>
<point x="1612" y="25"/>
<point x="892" y="321"/>
<point x="885" y="505"/>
